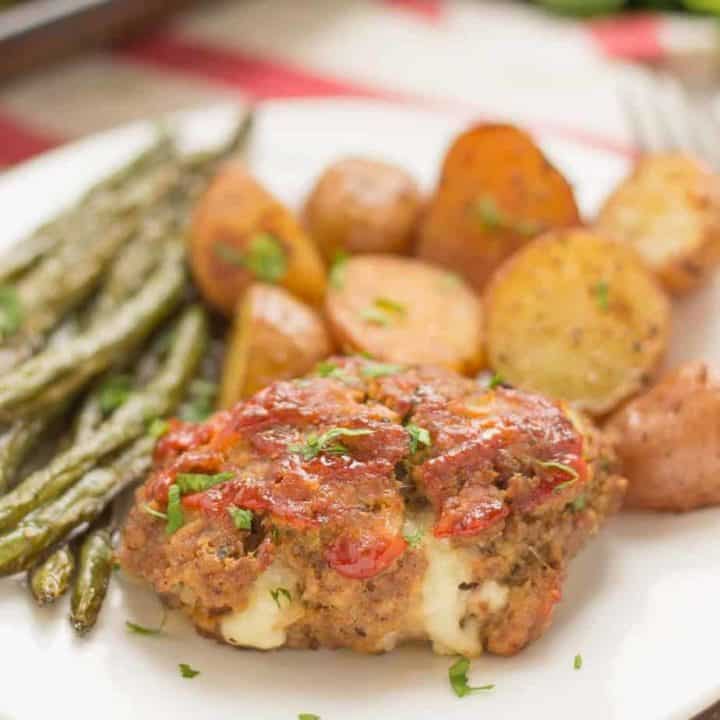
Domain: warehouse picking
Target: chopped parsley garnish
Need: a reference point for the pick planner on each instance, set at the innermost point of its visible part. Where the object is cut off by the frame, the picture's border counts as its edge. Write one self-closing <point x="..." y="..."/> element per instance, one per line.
<point x="579" y="503"/>
<point x="158" y="427"/>
<point x="374" y="369"/>
<point x="185" y="483"/>
<point x="187" y="672"/>
<point x="382" y="311"/>
<point x="281" y="592"/>
<point x="458" y="674"/>
<point x="308" y="716"/>
<point x="602" y="294"/>
<point x="419" y="437"/>
<point x="114" y="392"/>
<point x="264" y="257"/>
<point x="336" y="276"/>
<point x="489" y="213"/>
<point x="493" y="218"/>
<point x="577" y="662"/>
<point x="315" y="444"/>
<point x="375" y="316"/>
<point x="201" y="401"/>
<point x="496" y="380"/>
<point x="199" y="482"/>
<point x="562" y="467"/>
<point x="413" y="536"/>
<point x="327" y="369"/>
<point x="450" y="280"/>
<point x="155" y="513"/>
<point x="242" y="519"/>
<point x="11" y="312"/>
<point x="175" y="515"/>
<point x="390" y="305"/>
<point x="142" y="630"/>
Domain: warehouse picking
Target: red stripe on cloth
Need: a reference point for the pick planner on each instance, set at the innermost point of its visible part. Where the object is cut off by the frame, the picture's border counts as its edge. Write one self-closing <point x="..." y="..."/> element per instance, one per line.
<point x="262" y="79"/>
<point x="634" y="37"/>
<point x="19" y="141"/>
<point x="265" y="79"/>
<point x="432" y="10"/>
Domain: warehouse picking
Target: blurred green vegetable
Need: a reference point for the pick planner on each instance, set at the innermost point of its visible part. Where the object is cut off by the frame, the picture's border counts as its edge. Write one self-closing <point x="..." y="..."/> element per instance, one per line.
<point x="582" y="7"/>
<point x="606" y="7"/>
<point x="709" y="6"/>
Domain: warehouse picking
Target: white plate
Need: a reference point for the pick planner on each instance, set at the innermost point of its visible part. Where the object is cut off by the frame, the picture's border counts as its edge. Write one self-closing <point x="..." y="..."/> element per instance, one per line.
<point x="641" y="603"/>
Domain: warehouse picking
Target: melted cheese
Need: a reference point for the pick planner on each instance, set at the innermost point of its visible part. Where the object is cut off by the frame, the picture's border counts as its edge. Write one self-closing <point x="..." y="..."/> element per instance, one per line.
<point x="444" y="604"/>
<point x="492" y="595"/>
<point x="263" y="622"/>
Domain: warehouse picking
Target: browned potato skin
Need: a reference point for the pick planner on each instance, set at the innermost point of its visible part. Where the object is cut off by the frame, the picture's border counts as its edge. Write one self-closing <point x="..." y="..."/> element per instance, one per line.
<point x="360" y="205"/>
<point x="274" y="337"/>
<point x="668" y="199"/>
<point x="668" y="440"/>
<point x="441" y="325"/>
<point x="503" y="164"/>
<point x="234" y="210"/>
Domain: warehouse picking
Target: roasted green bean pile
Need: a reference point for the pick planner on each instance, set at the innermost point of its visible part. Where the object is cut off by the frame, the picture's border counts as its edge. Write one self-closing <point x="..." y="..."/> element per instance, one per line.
<point x="100" y="340"/>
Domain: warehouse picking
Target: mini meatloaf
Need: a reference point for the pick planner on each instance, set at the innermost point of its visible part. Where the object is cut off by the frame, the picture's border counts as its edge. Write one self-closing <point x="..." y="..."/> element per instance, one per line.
<point x="369" y="505"/>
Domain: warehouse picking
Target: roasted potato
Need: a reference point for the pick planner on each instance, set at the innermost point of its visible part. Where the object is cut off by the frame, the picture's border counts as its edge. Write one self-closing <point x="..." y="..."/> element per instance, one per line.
<point x="668" y="209"/>
<point x="405" y="311"/>
<point x="497" y="191"/>
<point x="577" y="317"/>
<point x="274" y="337"/>
<point x="668" y="440"/>
<point x="240" y="233"/>
<point x="360" y="205"/>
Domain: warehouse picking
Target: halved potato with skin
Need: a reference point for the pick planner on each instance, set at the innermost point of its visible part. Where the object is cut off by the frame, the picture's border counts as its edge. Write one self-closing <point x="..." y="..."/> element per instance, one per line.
<point x="577" y="317"/>
<point x="497" y="191"/>
<point x="668" y="441"/>
<point x="403" y="310"/>
<point x="240" y="234"/>
<point x="361" y="205"/>
<point x="668" y="209"/>
<point x="274" y="337"/>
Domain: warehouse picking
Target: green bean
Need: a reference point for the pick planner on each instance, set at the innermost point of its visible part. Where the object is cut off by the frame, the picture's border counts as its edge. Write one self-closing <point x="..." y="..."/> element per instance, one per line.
<point x="128" y="423"/>
<point x="24" y="255"/>
<point x="51" y="578"/>
<point x="92" y="352"/>
<point x="93" y="577"/>
<point x="83" y="503"/>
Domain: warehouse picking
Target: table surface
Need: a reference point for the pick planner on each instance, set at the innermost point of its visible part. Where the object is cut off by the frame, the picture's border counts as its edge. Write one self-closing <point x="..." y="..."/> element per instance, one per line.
<point x="500" y="58"/>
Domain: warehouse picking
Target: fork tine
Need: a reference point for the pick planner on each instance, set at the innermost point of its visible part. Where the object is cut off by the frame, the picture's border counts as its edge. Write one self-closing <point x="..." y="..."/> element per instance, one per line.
<point x="634" y="119"/>
<point x="663" y="115"/>
<point x="705" y="130"/>
<point x="670" y="112"/>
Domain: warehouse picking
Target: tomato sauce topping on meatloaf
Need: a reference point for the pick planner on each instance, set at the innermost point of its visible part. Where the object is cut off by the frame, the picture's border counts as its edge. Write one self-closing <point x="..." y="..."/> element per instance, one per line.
<point x="339" y="453"/>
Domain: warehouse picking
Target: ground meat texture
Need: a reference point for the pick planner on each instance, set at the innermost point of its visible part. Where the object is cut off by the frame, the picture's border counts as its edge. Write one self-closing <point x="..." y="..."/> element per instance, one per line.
<point x="385" y="504"/>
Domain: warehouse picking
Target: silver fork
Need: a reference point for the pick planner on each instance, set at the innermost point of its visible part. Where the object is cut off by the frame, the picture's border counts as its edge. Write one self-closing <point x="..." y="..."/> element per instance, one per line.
<point x="665" y="113"/>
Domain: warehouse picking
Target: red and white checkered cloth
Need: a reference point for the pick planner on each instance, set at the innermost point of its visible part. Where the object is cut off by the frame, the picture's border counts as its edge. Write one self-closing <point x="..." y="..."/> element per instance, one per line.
<point x="504" y="59"/>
